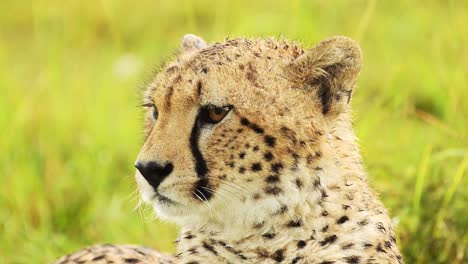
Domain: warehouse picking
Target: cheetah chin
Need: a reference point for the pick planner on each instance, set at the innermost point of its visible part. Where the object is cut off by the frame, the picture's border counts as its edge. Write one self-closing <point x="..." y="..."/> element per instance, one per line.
<point x="249" y="147"/>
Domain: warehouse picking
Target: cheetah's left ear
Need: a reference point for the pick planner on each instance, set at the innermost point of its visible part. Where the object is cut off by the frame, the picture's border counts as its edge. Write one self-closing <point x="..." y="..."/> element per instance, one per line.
<point x="330" y="70"/>
<point x="191" y="42"/>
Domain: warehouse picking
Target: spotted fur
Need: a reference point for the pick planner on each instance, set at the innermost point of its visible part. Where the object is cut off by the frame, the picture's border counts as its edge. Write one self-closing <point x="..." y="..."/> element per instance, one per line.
<point x="124" y="254"/>
<point x="280" y="178"/>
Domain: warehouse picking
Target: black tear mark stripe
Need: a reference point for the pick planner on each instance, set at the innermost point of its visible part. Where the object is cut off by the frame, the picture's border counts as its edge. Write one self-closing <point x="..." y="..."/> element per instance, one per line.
<point x="202" y="186"/>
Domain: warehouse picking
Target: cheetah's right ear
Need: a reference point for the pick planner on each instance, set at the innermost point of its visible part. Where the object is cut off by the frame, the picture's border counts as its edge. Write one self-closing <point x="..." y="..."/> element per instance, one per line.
<point x="191" y="42"/>
<point x="330" y="70"/>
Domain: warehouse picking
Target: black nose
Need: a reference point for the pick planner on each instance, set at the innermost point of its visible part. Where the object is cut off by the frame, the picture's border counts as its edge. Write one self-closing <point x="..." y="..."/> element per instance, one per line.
<point x="153" y="172"/>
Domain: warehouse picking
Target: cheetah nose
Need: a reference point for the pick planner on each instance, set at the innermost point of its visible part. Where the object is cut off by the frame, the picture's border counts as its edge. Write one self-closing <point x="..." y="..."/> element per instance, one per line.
<point x="153" y="172"/>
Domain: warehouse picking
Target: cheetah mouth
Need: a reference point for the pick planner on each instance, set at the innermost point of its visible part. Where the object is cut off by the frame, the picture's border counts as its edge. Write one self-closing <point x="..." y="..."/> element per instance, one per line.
<point x="163" y="199"/>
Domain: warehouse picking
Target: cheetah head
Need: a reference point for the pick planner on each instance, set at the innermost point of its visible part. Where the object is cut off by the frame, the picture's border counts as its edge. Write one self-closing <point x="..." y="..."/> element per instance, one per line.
<point x="235" y="130"/>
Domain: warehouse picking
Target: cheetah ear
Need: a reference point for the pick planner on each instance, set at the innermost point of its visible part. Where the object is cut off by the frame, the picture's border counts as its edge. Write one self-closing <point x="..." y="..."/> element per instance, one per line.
<point x="191" y="42"/>
<point x="330" y="69"/>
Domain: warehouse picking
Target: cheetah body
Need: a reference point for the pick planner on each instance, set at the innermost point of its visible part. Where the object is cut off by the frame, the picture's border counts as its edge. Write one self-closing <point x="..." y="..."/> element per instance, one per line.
<point x="280" y="178"/>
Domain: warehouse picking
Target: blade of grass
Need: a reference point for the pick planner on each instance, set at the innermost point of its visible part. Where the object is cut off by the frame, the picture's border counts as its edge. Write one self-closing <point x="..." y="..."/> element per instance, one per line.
<point x="458" y="176"/>
<point x="420" y="177"/>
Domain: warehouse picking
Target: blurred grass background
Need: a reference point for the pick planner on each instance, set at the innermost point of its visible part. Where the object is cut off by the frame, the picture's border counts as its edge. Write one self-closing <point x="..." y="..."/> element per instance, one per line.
<point x="71" y="129"/>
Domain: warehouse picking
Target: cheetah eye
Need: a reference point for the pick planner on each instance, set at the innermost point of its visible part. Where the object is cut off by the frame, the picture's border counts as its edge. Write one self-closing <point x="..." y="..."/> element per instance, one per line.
<point x="214" y="114"/>
<point x="155" y="110"/>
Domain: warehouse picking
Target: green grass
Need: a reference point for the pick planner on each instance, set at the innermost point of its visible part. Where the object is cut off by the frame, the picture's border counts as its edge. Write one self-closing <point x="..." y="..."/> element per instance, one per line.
<point x="71" y="129"/>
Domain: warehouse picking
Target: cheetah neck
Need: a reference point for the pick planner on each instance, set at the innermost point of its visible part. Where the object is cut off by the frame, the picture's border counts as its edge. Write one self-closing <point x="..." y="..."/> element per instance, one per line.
<point x="334" y="196"/>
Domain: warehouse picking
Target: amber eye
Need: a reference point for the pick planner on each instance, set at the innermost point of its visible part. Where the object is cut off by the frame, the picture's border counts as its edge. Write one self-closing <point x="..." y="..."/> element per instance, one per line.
<point x="214" y="114"/>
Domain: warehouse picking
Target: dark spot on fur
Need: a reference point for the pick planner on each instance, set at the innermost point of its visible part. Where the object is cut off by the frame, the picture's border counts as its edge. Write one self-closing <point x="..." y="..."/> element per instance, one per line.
<point x="347" y="246"/>
<point x="325" y="213"/>
<point x="199" y="87"/>
<point x="192" y="251"/>
<point x="210" y="248"/>
<point x="252" y="75"/>
<point x="276" y="167"/>
<point x="295" y="223"/>
<point x="245" y="122"/>
<point x="325" y="228"/>
<point x="317" y="182"/>
<point x="139" y="252"/>
<point x="298" y="183"/>
<point x="255" y="148"/>
<point x="324" y="193"/>
<point x="241" y="256"/>
<point x="270" y="141"/>
<point x="367" y="245"/>
<point x="257" y="166"/>
<point x="241" y="66"/>
<point x="296" y="260"/>
<point x="242" y="155"/>
<point x="242" y="170"/>
<point x="381" y="227"/>
<point x="275" y="190"/>
<point x="380" y="249"/>
<point x="268" y="156"/>
<point x="295" y="161"/>
<point x="131" y="260"/>
<point x="352" y="259"/>
<point x="98" y="257"/>
<point x="328" y="240"/>
<point x="342" y="220"/>
<point x="189" y="236"/>
<point x="363" y="222"/>
<point x="301" y="244"/>
<point x="327" y="262"/>
<point x="269" y="235"/>
<point x="239" y="130"/>
<point x="388" y="244"/>
<point x="256" y="196"/>
<point x="272" y="179"/>
<point x="257" y="129"/>
<point x="259" y="225"/>
<point x="204" y="70"/>
<point x="278" y="255"/>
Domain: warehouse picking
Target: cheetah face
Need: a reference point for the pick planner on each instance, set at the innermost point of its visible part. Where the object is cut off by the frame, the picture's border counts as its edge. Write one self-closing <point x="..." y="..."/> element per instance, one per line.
<point x="232" y="129"/>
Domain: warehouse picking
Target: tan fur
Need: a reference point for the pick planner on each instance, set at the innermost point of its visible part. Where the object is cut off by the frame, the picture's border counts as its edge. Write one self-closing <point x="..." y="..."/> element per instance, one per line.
<point x="284" y="170"/>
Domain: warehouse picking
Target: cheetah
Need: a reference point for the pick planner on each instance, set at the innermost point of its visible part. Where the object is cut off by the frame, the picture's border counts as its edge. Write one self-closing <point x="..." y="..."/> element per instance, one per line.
<point x="249" y="148"/>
